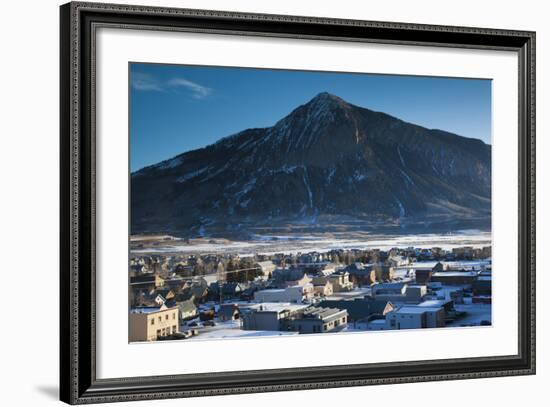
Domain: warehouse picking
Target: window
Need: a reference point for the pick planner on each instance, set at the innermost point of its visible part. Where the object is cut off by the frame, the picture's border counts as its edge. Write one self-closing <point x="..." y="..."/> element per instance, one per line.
<point x="166" y="317"/>
<point x="158" y="333"/>
<point x="174" y="315"/>
<point x="152" y="321"/>
<point x="174" y="329"/>
<point x="160" y="319"/>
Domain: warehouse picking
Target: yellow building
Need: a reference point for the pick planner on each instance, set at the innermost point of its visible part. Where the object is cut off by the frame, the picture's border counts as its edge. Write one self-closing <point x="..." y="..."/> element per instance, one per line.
<point x="151" y="323"/>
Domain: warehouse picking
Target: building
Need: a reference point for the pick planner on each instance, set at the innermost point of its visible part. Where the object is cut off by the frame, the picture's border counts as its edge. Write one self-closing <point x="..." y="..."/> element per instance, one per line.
<point x="413" y="317"/>
<point x="463" y="253"/>
<point x="267" y="267"/>
<point x="225" y="291"/>
<point x="290" y="277"/>
<point x="151" y="323"/>
<point x="137" y="269"/>
<point x="481" y="299"/>
<point x="199" y="291"/>
<point x="361" y="274"/>
<point x="141" y="286"/>
<point x="397" y="260"/>
<point x="384" y="272"/>
<point x="454" y="277"/>
<point x="447" y="305"/>
<point x="389" y="289"/>
<point x="315" y="320"/>
<point x="423" y="275"/>
<point x="482" y="286"/>
<point x="175" y="284"/>
<point x="305" y="279"/>
<point x="268" y="316"/>
<point x="188" y="309"/>
<point x="228" y="312"/>
<point x="360" y="309"/>
<point x="207" y="314"/>
<point x="323" y="289"/>
<point x="399" y="292"/>
<point x="340" y="281"/>
<point x="294" y="294"/>
<point x="440" y="267"/>
<point x="377" y="325"/>
<point x="166" y="293"/>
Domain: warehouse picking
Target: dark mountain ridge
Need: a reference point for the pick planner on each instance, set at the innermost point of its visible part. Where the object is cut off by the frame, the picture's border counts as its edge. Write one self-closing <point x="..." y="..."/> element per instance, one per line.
<point x="325" y="162"/>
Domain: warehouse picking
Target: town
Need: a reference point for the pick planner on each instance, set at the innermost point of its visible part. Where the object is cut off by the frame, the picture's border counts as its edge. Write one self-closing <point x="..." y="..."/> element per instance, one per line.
<point x="215" y="296"/>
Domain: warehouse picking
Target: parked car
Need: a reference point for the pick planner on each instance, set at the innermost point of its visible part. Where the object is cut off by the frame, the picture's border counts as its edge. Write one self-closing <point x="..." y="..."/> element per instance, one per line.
<point x="180" y="335"/>
<point x="209" y="323"/>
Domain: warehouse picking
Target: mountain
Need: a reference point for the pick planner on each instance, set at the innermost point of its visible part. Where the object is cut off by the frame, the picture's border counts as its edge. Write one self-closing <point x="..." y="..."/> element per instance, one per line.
<point x="328" y="162"/>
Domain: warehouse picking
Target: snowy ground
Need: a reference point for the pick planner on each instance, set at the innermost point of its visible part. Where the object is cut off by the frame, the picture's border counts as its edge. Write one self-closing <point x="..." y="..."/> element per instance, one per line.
<point x="463" y="264"/>
<point x="475" y="313"/>
<point x="346" y="295"/>
<point x="228" y="329"/>
<point x="270" y="245"/>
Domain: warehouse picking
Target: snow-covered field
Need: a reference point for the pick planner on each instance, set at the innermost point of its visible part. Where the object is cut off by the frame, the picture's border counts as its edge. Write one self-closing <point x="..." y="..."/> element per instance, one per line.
<point x="475" y="313"/>
<point x="228" y="330"/>
<point x="465" y="264"/>
<point x="262" y="244"/>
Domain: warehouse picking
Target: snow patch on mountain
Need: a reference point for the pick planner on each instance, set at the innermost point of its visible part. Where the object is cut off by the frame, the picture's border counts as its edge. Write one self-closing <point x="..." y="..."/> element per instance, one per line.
<point x="171" y="163"/>
<point x="408" y="181"/>
<point x="192" y="174"/>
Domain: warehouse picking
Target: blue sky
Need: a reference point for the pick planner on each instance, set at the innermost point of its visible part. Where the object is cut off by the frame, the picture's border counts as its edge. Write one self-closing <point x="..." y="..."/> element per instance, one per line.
<point x="175" y="108"/>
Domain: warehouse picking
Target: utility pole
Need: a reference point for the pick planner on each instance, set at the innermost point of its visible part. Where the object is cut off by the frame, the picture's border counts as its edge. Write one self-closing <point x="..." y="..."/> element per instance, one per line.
<point x="221" y="276"/>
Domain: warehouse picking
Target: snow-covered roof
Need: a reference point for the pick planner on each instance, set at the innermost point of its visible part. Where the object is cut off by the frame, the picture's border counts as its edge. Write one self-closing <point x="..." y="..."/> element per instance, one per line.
<point x="278" y="306"/>
<point x="266" y="263"/>
<point x="433" y="303"/>
<point x="147" y="310"/>
<point x="455" y="274"/>
<point x="411" y="309"/>
<point x="272" y="290"/>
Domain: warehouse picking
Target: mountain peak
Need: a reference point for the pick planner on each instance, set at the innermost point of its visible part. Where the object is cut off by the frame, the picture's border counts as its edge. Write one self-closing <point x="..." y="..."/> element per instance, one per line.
<point x="324" y="107"/>
<point x="325" y="100"/>
<point x="326" y="95"/>
<point x="311" y="122"/>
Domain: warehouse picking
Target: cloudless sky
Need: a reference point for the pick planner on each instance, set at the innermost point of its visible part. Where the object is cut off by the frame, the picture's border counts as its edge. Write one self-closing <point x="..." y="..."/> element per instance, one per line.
<point x="175" y="108"/>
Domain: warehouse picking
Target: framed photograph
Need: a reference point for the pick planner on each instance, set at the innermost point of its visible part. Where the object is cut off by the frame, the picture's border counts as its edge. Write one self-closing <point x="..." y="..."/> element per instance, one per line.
<point x="255" y="203"/>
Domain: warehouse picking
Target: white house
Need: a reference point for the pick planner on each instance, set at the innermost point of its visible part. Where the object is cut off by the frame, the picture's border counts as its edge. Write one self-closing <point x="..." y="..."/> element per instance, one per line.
<point x="292" y="294"/>
<point x="267" y="267"/>
<point x="413" y="317"/>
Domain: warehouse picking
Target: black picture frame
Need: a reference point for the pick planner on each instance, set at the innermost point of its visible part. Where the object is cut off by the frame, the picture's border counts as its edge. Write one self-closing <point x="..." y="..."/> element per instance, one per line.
<point x="78" y="381"/>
